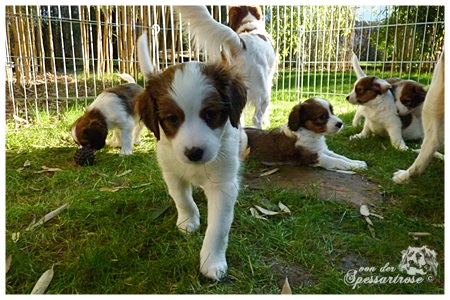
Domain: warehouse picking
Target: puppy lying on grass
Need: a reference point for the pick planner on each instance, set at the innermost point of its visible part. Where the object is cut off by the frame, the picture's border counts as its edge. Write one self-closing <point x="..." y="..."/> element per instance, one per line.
<point x="301" y="140"/>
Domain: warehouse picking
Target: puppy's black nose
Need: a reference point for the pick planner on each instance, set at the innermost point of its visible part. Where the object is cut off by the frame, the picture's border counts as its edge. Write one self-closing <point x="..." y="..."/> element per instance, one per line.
<point x="347" y="97"/>
<point x="339" y="124"/>
<point x="194" y="154"/>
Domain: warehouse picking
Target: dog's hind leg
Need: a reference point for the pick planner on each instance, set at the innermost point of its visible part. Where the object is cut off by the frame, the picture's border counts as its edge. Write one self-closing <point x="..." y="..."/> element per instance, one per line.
<point x="221" y="199"/>
<point x="433" y="134"/>
<point x="261" y="115"/>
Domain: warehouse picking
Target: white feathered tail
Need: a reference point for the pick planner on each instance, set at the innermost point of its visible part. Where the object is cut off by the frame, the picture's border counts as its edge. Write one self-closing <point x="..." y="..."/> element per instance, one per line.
<point x="216" y="39"/>
<point x="127" y="77"/>
<point x="356" y="66"/>
<point x="145" y="62"/>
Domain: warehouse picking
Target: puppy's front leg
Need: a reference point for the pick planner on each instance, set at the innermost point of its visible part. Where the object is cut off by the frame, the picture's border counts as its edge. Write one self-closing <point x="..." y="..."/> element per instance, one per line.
<point x="364" y="133"/>
<point x="221" y="199"/>
<point x="395" y="135"/>
<point x="181" y="192"/>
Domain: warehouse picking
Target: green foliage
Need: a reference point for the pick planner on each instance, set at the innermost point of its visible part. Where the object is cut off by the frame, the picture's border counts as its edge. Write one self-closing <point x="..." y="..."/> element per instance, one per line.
<point x="310" y="33"/>
<point x="418" y="35"/>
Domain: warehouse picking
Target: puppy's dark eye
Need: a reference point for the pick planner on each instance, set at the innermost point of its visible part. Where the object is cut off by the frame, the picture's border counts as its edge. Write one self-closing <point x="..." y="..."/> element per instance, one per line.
<point x="173" y="119"/>
<point x="323" y="118"/>
<point x="210" y="115"/>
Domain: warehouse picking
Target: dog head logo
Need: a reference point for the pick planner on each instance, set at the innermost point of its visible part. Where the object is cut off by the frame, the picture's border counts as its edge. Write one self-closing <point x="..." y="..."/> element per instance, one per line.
<point x="418" y="261"/>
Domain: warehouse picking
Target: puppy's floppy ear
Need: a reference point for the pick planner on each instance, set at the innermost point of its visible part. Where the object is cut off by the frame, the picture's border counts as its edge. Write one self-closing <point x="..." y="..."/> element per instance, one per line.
<point x="294" y="118"/>
<point x="381" y="86"/>
<point x="148" y="111"/>
<point x="420" y="92"/>
<point x="238" y="99"/>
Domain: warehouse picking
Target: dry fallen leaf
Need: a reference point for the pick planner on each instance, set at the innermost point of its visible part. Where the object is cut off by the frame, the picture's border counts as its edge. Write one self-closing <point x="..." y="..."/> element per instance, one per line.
<point x="284" y="208"/>
<point x="15" y="236"/>
<point x="286" y="290"/>
<point x="47" y="217"/>
<point x="8" y="263"/>
<point x="107" y="189"/>
<point x="245" y="153"/>
<point x="270" y="172"/>
<point x="364" y="210"/>
<point x="417" y="235"/>
<point x="47" y="169"/>
<point x="43" y="282"/>
<point x="266" y="211"/>
<point x="255" y="214"/>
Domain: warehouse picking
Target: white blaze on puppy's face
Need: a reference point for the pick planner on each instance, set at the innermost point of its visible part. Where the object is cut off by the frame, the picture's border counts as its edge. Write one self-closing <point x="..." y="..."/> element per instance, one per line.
<point x="194" y="141"/>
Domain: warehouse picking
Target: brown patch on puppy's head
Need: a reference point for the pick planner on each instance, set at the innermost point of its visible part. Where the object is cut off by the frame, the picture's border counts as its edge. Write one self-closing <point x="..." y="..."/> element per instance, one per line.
<point x="238" y="13"/>
<point x="410" y="93"/>
<point x="90" y="130"/>
<point x="368" y="88"/>
<point x="311" y="114"/>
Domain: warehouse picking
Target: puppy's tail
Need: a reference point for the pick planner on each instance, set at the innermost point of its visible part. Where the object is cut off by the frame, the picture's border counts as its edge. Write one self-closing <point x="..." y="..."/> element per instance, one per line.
<point x="218" y="40"/>
<point x="127" y="77"/>
<point x="357" y="67"/>
<point x="145" y="62"/>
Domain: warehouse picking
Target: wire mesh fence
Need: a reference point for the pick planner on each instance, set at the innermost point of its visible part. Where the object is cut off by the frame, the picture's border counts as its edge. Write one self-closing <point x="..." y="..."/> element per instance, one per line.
<point x="59" y="57"/>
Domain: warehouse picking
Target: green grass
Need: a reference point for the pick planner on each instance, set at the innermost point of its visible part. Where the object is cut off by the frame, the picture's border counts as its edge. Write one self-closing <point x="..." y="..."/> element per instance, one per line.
<point x="126" y="242"/>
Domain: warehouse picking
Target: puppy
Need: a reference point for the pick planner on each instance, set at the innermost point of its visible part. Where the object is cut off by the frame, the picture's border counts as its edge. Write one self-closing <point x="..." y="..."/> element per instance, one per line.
<point x="400" y="120"/>
<point x="194" y="109"/>
<point x="301" y="141"/>
<point x="112" y="110"/>
<point x="246" y="41"/>
<point x="433" y="124"/>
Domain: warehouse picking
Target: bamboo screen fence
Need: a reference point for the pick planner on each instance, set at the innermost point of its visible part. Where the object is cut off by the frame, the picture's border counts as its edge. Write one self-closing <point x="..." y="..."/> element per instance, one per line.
<point x="63" y="56"/>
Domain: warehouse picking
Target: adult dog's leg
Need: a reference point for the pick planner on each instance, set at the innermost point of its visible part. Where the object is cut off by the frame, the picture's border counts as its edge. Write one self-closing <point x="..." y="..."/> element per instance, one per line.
<point x="221" y="199"/>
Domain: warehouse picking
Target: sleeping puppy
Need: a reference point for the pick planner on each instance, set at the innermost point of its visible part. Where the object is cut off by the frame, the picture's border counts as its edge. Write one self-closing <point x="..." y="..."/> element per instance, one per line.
<point x="112" y="110"/>
<point x="433" y="124"/>
<point x="252" y="47"/>
<point x="194" y="110"/>
<point x="301" y="141"/>
<point x="383" y="114"/>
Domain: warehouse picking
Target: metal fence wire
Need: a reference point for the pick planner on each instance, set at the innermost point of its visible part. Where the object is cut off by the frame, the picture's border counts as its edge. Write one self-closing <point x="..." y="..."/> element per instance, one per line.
<point x="59" y="57"/>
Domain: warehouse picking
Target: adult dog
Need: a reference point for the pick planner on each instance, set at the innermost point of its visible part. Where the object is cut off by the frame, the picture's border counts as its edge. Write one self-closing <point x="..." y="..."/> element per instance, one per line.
<point x="301" y="140"/>
<point x="112" y="110"/>
<point x="433" y="124"/>
<point x="194" y="110"/>
<point x="245" y="41"/>
<point x="383" y="114"/>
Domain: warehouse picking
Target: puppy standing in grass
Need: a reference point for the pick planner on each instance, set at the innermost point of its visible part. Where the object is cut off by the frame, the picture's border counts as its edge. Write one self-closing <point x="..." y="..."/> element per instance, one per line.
<point x="194" y="111"/>
<point x="112" y="110"/>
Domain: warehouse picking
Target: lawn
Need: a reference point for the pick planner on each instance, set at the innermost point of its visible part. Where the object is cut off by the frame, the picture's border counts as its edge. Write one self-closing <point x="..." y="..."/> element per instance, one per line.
<point x="118" y="233"/>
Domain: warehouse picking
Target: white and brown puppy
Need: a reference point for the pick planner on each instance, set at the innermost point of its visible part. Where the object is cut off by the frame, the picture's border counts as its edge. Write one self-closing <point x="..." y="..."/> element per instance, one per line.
<point x="194" y="110"/>
<point x="246" y="41"/>
<point x="112" y="110"/>
<point x="378" y="106"/>
<point x="302" y="139"/>
<point x="433" y="124"/>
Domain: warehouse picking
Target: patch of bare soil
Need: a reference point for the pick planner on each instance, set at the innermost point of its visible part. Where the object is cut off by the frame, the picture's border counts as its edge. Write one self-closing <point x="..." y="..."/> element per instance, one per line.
<point x="328" y="185"/>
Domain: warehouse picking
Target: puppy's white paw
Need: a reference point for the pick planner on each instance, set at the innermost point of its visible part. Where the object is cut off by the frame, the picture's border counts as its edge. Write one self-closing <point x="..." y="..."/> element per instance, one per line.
<point x="401" y="177"/>
<point x="126" y="152"/>
<point x="188" y="224"/>
<point x="359" y="164"/>
<point x="356" y="136"/>
<point x="213" y="267"/>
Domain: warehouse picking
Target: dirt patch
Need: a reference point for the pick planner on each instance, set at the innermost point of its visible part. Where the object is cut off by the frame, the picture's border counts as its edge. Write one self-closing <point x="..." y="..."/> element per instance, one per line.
<point x="328" y="185"/>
